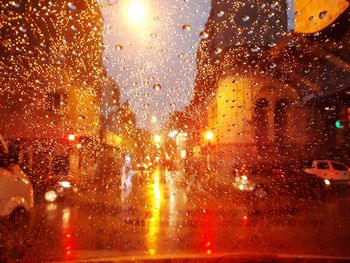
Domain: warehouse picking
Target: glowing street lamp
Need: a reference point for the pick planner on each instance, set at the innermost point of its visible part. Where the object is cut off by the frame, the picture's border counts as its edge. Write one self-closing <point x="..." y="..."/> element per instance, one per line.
<point x="157" y="139"/>
<point x="154" y="119"/>
<point x="136" y="11"/>
<point x="173" y="133"/>
<point x="71" y="137"/>
<point x="209" y="136"/>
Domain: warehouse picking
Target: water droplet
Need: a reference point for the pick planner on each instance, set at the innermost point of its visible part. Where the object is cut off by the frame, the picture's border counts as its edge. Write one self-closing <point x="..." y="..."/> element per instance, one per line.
<point x="15" y="4"/>
<point x="234" y="81"/>
<point x="271" y="44"/>
<point x="271" y="15"/>
<point x="255" y="49"/>
<point x="203" y="35"/>
<point x="323" y="14"/>
<point x="273" y="65"/>
<point x="297" y="13"/>
<point x="118" y="47"/>
<point x="22" y="29"/>
<point x="39" y="82"/>
<point x="217" y="51"/>
<point x="74" y="28"/>
<point x="157" y="86"/>
<point x="311" y="18"/>
<point x="153" y="34"/>
<point x="245" y="18"/>
<point x="186" y="27"/>
<point x="274" y="5"/>
<point x="220" y="13"/>
<point x="71" y="6"/>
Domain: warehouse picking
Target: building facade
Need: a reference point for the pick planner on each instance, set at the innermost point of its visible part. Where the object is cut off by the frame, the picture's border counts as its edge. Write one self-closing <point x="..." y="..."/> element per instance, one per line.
<point x="51" y="77"/>
<point x="260" y="86"/>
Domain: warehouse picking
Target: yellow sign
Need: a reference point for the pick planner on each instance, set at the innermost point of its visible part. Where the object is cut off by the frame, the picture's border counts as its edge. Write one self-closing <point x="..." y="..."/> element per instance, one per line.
<point x="113" y="139"/>
<point x="314" y="15"/>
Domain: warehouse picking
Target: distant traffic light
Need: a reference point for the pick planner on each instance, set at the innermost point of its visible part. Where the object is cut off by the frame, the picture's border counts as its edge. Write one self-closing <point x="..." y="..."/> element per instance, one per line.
<point x="339" y="125"/>
<point x="209" y="136"/>
<point x="71" y="137"/>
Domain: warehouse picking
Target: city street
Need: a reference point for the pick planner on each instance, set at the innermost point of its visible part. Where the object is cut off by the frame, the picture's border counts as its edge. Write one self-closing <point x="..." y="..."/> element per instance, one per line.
<point x="160" y="214"/>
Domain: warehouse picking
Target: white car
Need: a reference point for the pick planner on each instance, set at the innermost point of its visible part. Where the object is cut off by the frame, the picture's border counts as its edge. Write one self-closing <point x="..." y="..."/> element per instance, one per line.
<point x="16" y="191"/>
<point x="329" y="169"/>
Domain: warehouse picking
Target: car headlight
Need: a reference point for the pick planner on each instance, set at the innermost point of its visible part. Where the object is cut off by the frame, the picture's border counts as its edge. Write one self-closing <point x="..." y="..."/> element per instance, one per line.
<point x="50" y="196"/>
<point x="65" y="184"/>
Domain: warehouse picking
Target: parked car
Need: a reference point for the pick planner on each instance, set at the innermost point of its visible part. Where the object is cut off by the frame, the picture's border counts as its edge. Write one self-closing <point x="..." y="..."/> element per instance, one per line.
<point x="276" y="179"/>
<point x="330" y="170"/>
<point x="16" y="191"/>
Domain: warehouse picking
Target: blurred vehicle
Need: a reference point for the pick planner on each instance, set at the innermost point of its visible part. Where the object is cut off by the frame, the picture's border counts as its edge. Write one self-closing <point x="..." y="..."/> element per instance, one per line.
<point x="275" y="179"/>
<point x="56" y="188"/>
<point x="16" y="191"/>
<point x="58" y="184"/>
<point x="332" y="171"/>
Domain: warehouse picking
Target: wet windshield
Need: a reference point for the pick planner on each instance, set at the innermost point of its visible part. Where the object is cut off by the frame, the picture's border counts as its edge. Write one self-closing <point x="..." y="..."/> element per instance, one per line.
<point x="174" y="128"/>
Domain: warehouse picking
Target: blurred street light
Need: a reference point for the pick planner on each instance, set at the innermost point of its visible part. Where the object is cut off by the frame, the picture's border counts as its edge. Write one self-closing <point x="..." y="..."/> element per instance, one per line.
<point x="136" y="11"/>
<point x="173" y="133"/>
<point x="209" y="136"/>
<point x="71" y="137"/>
<point x="157" y="139"/>
<point x="154" y="119"/>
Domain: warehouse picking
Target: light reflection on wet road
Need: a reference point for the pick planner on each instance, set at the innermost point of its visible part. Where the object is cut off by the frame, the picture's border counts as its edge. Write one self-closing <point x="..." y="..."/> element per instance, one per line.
<point x="156" y="214"/>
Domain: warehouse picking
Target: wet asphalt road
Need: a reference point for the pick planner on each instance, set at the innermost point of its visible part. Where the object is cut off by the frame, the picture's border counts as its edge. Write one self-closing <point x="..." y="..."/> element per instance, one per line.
<point x="158" y="214"/>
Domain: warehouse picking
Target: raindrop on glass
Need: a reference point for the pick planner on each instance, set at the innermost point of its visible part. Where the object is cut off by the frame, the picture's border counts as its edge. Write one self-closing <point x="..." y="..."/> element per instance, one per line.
<point x="217" y="51"/>
<point x="118" y="47"/>
<point x="274" y="5"/>
<point x="271" y="44"/>
<point x="273" y="65"/>
<point x="186" y="27"/>
<point x="311" y="18"/>
<point x="15" y="4"/>
<point x="323" y="14"/>
<point x="220" y="13"/>
<point x="203" y="35"/>
<point x="255" y="49"/>
<point x="71" y="6"/>
<point x="157" y="86"/>
<point x="245" y="18"/>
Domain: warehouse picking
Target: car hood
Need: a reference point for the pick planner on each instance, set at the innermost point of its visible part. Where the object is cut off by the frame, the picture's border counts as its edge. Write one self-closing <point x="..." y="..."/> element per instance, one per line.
<point x="109" y="256"/>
